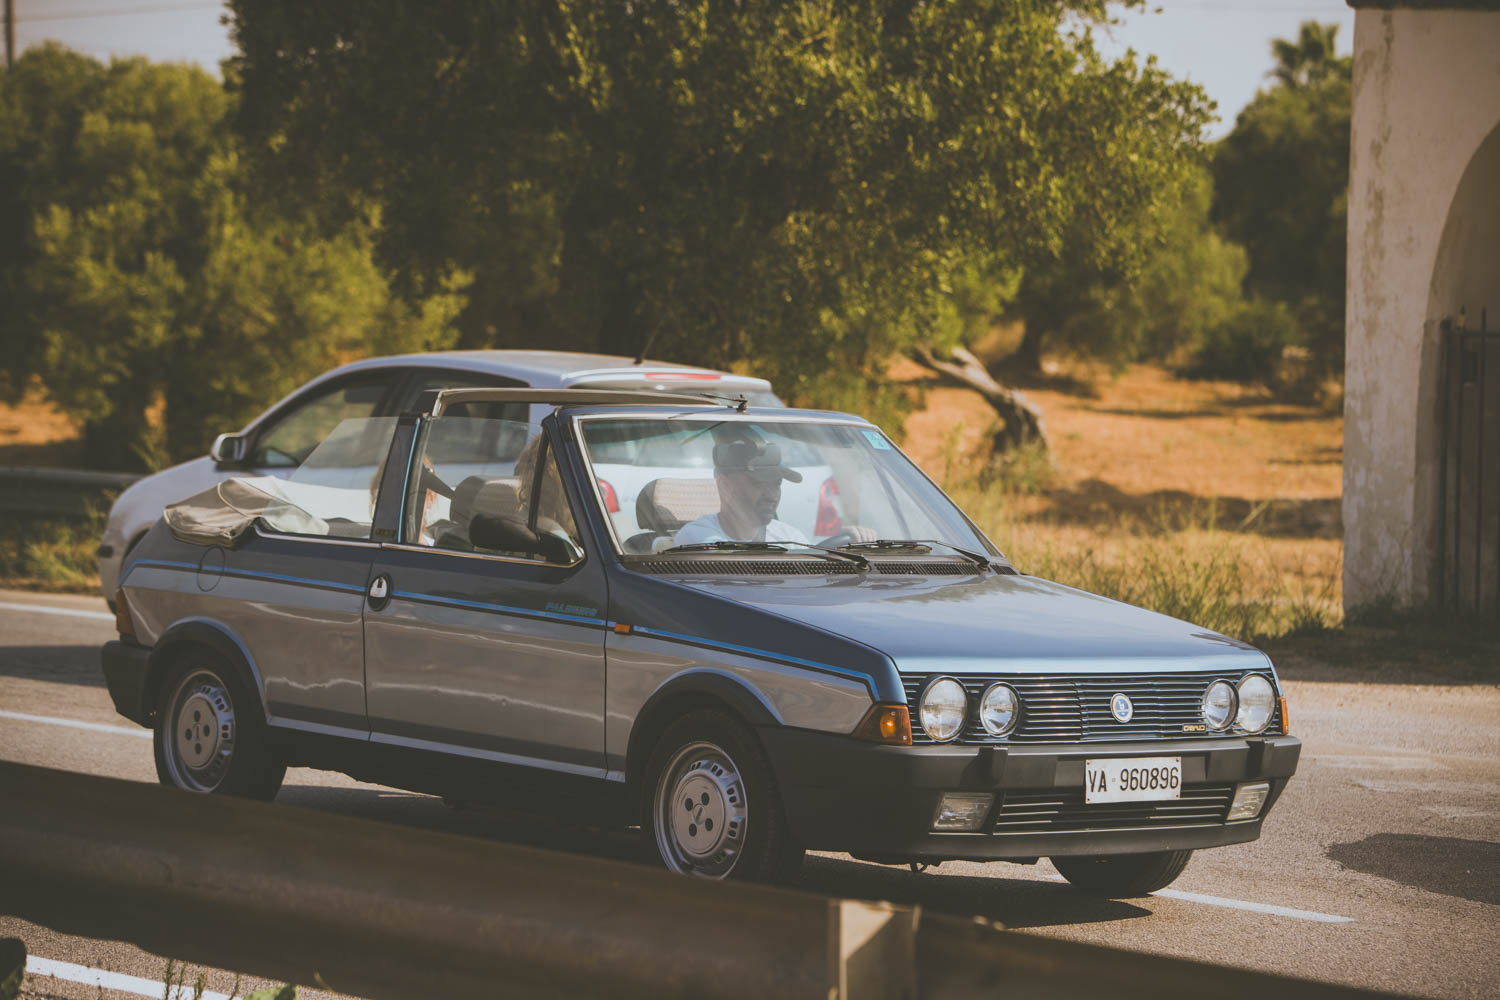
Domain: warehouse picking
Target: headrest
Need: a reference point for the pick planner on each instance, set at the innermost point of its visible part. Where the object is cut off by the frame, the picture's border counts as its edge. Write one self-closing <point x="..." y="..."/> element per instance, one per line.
<point x="482" y="495"/>
<point x="665" y="505"/>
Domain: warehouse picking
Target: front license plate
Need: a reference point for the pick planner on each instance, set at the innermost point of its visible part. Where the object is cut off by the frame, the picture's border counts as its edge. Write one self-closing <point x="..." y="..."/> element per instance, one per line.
<point x="1132" y="779"/>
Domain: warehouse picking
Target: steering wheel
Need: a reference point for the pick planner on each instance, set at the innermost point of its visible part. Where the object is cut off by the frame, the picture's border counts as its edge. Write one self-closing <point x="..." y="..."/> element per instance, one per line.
<point x="853" y="533"/>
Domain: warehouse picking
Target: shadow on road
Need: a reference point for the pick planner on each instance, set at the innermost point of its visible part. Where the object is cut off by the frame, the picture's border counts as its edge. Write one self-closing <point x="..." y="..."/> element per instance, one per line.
<point x="56" y="664"/>
<point x="1013" y="902"/>
<point x="1468" y="869"/>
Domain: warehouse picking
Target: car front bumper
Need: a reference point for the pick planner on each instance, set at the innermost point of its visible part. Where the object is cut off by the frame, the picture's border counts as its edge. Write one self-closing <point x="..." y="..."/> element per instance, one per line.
<point x="878" y="802"/>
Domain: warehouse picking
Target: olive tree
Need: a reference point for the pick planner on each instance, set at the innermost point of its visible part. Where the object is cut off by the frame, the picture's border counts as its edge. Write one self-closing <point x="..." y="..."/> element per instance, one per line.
<point x="793" y="187"/>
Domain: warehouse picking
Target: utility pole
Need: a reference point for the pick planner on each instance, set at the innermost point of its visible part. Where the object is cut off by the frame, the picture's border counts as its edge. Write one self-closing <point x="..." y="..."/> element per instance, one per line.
<point x="10" y="33"/>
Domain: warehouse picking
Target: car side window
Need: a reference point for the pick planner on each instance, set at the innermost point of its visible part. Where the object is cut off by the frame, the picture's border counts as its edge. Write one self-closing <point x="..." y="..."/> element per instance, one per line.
<point x="331" y="494"/>
<point x="473" y="492"/>
<point x="286" y="442"/>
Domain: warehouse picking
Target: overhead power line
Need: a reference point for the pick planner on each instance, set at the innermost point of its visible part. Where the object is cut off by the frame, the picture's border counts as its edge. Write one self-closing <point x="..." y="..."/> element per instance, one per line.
<point x="82" y="15"/>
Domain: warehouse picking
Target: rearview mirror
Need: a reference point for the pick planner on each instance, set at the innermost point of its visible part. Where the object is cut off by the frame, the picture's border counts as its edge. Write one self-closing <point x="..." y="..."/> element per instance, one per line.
<point x="228" y="449"/>
<point x="510" y="534"/>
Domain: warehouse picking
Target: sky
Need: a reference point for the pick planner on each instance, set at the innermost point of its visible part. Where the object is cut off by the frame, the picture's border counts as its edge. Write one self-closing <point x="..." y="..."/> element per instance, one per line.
<point x="1222" y="45"/>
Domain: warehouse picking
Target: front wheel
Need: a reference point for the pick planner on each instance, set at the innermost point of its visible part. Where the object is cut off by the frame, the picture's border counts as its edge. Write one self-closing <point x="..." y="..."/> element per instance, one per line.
<point x="209" y="737"/>
<point x="1119" y="875"/>
<point x="711" y="807"/>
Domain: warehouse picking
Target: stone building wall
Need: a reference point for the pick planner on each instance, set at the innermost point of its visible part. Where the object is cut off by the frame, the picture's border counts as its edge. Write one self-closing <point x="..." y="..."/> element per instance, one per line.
<point x="1424" y="244"/>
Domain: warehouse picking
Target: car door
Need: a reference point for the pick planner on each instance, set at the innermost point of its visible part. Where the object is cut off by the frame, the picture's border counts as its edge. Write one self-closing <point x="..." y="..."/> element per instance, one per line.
<point x="293" y="590"/>
<point x="488" y="652"/>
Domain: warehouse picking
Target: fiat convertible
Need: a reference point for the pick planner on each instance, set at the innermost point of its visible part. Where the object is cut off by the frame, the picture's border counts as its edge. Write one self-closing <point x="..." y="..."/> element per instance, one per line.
<point x="790" y="641"/>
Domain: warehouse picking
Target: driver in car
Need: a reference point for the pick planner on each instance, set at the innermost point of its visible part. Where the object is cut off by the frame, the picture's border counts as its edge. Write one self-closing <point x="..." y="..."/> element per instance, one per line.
<point x="748" y="474"/>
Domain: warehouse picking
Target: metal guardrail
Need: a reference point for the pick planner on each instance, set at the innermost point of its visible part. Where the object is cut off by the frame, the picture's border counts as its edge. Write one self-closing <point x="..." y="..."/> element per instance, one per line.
<point x="58" y="492"/>
<point x="383" y="911"/>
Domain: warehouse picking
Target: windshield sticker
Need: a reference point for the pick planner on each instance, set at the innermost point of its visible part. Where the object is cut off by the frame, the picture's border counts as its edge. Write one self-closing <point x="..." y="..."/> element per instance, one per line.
<point x="877" y="440"/>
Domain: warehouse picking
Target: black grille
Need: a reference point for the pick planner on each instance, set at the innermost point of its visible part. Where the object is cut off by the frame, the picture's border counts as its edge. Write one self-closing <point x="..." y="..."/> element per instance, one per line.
<point x="1071" y="708"/>
<point x="923" y="568"/>
<point x="797" y="567"/>
<point x="1064" y="809"/>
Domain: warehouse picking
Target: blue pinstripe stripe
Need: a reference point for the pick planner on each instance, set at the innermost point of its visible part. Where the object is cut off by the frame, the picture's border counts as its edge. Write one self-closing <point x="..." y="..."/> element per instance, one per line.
<point x="504" y="609"/>
<point x="253" y="574"/>
<point x="764" y="654"/>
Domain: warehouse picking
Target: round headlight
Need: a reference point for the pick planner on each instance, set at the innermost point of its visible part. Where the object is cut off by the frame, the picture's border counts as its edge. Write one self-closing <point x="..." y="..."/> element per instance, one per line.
<point x="1257" y="702"/>
<point x="942" y="709"/>
<point x="999" y="709"/>
<point x="1218" y="705"/>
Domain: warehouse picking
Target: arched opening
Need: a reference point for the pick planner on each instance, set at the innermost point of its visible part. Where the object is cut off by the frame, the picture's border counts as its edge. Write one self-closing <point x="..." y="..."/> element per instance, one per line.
<point x="1464" y="299"/>
<point x="1466" y="274"/>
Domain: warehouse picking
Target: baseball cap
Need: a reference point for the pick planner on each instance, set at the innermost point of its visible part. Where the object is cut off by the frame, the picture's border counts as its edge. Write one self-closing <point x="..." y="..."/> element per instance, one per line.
<point x="761" y="459"/>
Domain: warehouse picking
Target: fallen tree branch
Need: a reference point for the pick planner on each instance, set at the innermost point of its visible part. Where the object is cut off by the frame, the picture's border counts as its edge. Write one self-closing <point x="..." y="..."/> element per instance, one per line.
<point x="1024" y="422"/>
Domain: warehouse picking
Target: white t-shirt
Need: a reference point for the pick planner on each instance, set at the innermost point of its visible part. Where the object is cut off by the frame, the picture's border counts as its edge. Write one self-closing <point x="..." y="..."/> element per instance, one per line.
<point x="708" y="529"/>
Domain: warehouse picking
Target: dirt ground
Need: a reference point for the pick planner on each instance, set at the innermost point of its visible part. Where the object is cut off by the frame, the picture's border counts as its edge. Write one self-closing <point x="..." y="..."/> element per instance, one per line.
<point x="1216" y="466"/>
<point x="35" y="432"/>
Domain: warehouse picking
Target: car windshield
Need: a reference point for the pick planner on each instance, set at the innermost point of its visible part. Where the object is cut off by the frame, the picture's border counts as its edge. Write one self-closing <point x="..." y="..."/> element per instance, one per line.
<point x="729" y="483"/>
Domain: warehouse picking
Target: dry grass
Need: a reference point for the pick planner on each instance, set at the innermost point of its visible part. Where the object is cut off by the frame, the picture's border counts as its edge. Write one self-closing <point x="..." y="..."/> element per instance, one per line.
<point x="1209" y="501"/>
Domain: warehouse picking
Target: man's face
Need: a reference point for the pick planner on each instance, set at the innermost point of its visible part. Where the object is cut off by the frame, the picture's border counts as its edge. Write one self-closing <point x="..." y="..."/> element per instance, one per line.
<point x="750" y="499"/>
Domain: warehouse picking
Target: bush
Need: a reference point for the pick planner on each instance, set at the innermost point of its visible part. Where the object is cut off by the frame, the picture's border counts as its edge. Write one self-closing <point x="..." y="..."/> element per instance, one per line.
<point x="51" y="553"/>
<point x="1247" y="345"/>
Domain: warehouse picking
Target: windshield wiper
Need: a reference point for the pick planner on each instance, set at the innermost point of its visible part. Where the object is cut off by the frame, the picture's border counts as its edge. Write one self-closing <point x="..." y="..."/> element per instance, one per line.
<point x="919" y="544"/>
<point x="727" y="545"/>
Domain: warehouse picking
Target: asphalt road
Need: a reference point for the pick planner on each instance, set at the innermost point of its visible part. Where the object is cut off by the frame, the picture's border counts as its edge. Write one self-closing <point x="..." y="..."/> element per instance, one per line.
<point x="1379" y="868"/>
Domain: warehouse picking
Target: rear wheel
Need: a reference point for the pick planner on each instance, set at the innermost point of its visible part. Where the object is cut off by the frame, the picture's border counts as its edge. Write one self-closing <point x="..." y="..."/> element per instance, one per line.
<point x="1124" y="874"/>
<point x="711" y="806"/>
<point x="209" y="735"/>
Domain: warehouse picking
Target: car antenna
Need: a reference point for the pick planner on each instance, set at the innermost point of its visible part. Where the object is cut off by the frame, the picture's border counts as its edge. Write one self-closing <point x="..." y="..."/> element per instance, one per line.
<point x="640" y="357"/>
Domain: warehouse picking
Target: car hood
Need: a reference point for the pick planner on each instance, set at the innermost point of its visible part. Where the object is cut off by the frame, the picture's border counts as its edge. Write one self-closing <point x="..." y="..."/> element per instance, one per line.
<point x="991" y="624"/>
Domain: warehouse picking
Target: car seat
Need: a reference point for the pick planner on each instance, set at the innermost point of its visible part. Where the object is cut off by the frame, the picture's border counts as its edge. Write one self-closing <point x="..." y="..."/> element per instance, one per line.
<point x="664" y="506"/>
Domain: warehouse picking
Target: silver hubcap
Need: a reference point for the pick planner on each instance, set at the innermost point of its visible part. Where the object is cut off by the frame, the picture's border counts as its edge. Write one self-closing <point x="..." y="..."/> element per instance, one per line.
<point x="700" y="812"/>
<point x="200" y="743"/>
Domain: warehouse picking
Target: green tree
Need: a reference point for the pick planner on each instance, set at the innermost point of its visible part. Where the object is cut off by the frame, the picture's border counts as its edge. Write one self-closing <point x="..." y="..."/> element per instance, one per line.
<point x="1185" y="289"/>
<point x="157" y="301"/>
<point x="1281" y="181"/>
<point x="804" y="188"/>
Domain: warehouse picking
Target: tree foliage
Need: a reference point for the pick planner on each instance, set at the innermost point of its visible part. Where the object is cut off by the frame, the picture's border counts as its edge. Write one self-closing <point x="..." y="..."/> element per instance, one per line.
<point x="804" y="187"/>
<point x="1185" y="287"/>
<point x="1281" y="185"/>
<point x="161" y="304"/>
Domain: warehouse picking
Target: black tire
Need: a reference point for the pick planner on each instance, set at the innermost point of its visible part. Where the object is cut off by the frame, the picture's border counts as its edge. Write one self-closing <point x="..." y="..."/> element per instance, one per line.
<point x="1119" y="875"/>
<point x="224" y="749"/>
<point x="710" y="753"/>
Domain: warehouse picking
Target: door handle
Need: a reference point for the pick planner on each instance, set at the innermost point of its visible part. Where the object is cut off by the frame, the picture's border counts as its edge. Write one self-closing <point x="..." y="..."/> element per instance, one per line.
<point x="379" y="592"/>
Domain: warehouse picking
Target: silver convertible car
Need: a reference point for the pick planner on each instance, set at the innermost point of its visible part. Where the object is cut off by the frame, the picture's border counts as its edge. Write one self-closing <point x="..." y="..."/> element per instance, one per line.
<point x="444" y="601"/>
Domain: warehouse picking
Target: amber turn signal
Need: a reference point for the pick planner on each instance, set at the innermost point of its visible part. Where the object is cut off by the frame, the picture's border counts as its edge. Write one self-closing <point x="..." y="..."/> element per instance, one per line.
<point x="123" y="623"/>
<point x="1286" y="720"/>
<point x="886" y="724"/>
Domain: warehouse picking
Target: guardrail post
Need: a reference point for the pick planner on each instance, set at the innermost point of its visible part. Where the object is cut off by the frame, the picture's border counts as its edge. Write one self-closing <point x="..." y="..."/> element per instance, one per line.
<point x="872" y="953"/>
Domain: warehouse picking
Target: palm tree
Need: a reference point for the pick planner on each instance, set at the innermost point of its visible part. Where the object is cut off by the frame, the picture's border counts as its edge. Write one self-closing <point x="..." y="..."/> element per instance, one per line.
<point x="1309" y="60"/>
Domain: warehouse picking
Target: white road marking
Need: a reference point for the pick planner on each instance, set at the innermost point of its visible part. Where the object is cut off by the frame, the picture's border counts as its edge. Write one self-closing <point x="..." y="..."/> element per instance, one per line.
<point x="1241" y="904"/>
<point x="96" y="727"/>
<point x="36" y="966"/>
<point x="47" y="609"/>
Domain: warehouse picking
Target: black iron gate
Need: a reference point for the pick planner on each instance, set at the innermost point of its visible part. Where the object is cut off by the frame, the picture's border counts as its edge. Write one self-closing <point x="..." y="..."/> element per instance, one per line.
<point x="1470" y="525"/>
